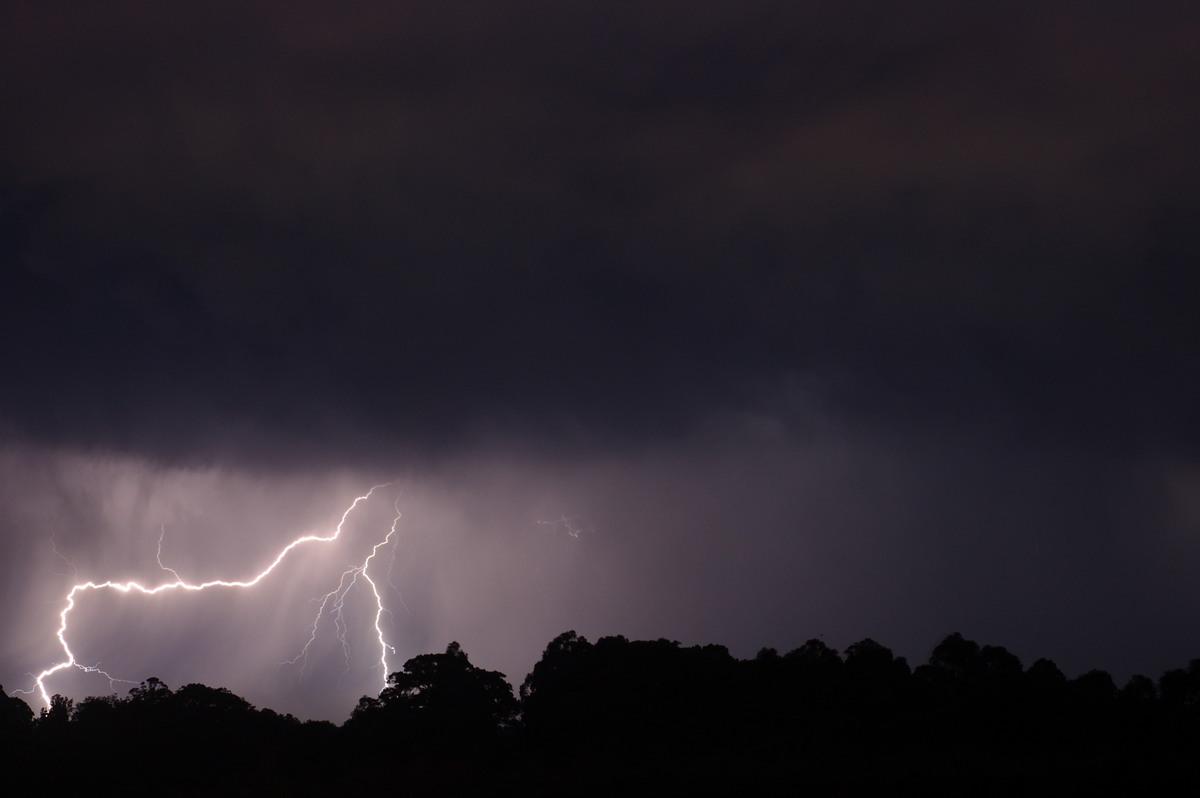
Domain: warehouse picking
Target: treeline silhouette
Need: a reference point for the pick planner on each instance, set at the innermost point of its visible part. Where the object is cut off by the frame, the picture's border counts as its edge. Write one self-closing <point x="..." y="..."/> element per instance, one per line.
<point x="638" y="717"/>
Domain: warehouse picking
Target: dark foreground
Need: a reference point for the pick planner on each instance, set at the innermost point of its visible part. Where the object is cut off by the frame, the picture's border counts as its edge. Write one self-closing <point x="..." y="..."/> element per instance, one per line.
<point x="622" y="717"/>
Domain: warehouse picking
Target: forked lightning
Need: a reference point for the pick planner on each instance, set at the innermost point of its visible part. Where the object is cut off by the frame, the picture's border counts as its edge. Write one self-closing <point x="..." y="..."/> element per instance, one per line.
<point x="345" y="583"/>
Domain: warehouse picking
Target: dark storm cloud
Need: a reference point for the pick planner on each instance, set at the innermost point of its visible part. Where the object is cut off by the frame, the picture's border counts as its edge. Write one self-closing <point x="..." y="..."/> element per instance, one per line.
<point x="283" y="228"/>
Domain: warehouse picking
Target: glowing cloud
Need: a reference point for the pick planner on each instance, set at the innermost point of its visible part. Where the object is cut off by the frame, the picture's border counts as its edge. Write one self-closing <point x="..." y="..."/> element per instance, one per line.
<point x="332" y="602"/>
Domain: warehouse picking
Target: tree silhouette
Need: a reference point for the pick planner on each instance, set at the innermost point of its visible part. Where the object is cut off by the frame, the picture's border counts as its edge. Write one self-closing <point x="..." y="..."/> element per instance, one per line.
<point x="58" y="714"/>
<point x="1180" y="687"/>
<point x="630" y="695"/>
<point x="100" y="712"/>
<point x="1044" y="680"/>
<point x="815" y="660"/>
<point x="558" y="694"/>
<point x="15" y="715"/>
<point x="619" y="715"/>
<point x="150" y="691"/>
<point x="869" y="661"/>
<point x="200" y="700"/>
<point x="440" y="699"/>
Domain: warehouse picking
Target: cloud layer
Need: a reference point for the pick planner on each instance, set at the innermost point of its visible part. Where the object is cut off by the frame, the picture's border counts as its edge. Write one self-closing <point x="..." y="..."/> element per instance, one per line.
<point x="323" y="229"/>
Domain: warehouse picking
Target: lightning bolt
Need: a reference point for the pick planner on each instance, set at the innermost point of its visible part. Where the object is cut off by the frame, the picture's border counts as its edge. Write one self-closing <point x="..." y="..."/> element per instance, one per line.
<point x="162" y="532"/>
<point x="335" y="599"/>
<point x="61" y="556"/>
<point x="332" y="601"/>
<point x="572" y="525"/>
<point x="384" y="647"/>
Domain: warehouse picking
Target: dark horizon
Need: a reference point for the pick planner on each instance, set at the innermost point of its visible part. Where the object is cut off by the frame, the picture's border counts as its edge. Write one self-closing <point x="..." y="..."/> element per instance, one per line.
<point x="634" y="716"/>
<point x="814" y="667"/>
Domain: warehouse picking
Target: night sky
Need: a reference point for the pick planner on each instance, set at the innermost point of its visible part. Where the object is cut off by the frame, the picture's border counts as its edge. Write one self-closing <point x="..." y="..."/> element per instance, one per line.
<point x="737" y="323"/>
